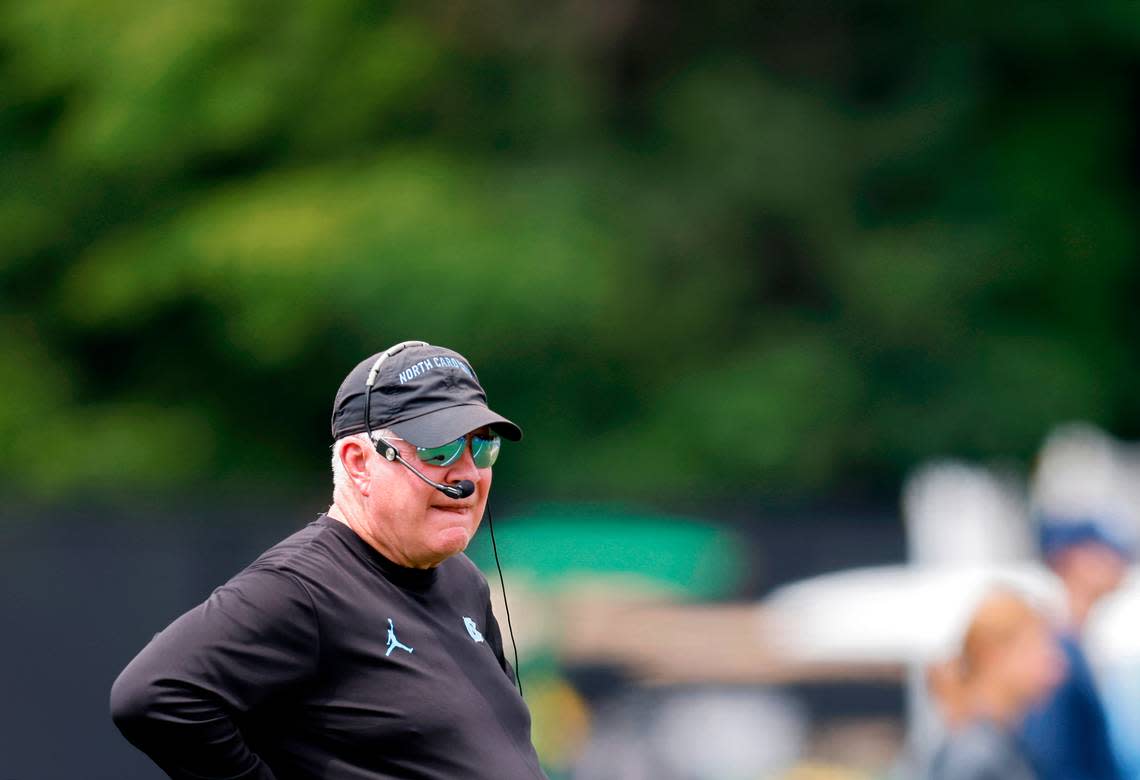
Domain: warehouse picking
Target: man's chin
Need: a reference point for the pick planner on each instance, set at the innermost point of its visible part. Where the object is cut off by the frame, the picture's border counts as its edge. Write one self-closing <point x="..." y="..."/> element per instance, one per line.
<point x="451" y="540"/>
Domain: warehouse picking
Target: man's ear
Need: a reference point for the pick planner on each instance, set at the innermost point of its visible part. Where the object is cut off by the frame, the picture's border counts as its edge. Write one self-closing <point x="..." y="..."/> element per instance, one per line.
<point x="354" y="457"/>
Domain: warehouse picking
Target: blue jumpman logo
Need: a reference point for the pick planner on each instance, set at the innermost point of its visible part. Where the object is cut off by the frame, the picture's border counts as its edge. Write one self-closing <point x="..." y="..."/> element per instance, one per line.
<point x="393" y="642"/>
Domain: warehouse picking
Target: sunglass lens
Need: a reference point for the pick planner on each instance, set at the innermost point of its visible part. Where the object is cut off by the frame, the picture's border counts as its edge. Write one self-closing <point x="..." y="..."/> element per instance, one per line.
<point x="445" y="454"/>
<point x="485" y="450"/>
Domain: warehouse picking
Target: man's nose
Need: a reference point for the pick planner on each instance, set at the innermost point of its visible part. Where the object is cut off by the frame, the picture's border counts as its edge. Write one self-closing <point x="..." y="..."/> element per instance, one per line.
<point x="464" y="468"/>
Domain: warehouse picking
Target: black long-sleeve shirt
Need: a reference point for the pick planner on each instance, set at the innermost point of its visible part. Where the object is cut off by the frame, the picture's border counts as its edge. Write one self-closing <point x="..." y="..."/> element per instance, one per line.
<point x="322" y="659"/>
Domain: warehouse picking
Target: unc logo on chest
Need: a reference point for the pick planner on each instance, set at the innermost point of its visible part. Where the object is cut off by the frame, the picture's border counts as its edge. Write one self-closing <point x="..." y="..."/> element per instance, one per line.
<point x="472" y="629"/>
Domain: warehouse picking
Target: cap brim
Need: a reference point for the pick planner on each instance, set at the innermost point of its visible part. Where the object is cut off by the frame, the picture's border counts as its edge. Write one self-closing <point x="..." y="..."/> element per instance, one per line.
<point x="443" y="425"/>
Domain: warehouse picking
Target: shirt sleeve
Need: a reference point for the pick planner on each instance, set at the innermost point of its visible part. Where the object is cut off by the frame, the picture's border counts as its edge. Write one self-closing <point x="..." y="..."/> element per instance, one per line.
<point x="180" y="699"/>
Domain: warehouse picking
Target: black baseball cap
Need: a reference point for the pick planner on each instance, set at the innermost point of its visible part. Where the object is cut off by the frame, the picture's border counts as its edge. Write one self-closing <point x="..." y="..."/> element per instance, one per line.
<point x="426" y="395"/>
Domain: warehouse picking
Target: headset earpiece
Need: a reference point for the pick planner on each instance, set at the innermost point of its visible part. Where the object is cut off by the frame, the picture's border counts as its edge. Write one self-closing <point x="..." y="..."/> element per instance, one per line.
<point x="389" y="453"/>
<point x="386" y="450"/>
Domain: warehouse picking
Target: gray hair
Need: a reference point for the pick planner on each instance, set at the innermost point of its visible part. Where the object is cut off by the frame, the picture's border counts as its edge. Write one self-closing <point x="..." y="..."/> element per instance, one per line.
<point x="340" y="476"/>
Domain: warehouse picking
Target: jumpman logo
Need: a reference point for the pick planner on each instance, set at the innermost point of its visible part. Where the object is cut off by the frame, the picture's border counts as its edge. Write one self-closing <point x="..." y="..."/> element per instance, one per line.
<point x="393" y="642"/>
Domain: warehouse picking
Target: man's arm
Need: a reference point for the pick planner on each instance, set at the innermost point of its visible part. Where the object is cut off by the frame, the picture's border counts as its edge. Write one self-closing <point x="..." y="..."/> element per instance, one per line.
<point x="178" y="699"/>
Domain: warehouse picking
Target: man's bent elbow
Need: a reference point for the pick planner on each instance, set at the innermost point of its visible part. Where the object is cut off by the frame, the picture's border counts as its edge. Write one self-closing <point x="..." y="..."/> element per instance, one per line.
<point x="132" y="701"/>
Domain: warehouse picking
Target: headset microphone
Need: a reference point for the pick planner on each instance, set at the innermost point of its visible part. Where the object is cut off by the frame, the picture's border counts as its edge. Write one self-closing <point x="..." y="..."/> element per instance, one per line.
<point x="461" y="489"/>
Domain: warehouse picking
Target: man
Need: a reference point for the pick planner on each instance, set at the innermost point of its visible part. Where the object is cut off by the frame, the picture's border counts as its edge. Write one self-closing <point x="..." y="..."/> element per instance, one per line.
<point x="362" y="646"/>
<point x="1068" y="737"/>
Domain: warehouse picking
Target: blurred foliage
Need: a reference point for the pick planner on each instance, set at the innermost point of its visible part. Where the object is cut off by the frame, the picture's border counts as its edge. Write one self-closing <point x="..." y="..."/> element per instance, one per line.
<point x="783" y="247"/>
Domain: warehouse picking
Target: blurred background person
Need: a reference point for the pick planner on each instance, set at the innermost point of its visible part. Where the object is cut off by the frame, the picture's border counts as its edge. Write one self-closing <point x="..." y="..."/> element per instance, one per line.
<point x="1008" y="661"/>
<point x="1087" y="542"/>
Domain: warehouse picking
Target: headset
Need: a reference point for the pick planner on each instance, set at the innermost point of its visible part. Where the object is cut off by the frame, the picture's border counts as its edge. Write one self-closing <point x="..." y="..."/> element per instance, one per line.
<point x="460" y="489"/>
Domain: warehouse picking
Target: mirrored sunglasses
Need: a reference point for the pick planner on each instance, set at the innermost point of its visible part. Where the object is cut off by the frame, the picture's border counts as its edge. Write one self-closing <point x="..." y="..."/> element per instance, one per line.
<point x="484" y="451"/>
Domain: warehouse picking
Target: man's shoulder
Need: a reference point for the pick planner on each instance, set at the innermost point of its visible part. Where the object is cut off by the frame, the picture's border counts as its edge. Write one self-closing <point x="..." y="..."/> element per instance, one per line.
<point x="305" y="553"/>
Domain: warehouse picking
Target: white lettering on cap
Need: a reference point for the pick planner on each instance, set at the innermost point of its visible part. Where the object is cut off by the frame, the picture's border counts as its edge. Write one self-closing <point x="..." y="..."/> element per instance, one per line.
<point x="435" y="362"/>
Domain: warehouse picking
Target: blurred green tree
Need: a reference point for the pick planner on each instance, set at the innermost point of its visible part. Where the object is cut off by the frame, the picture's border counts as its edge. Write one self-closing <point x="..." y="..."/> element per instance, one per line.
<point x="787" y="247"/>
